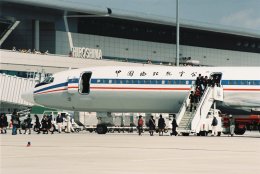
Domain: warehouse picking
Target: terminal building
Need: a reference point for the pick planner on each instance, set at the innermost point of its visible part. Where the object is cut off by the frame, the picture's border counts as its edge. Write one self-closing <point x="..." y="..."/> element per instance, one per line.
<point x="70" y="35"/>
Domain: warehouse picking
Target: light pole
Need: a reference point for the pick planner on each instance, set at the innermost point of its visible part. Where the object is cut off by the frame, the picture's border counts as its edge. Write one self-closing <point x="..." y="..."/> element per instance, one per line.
<point x="177" y="34"/>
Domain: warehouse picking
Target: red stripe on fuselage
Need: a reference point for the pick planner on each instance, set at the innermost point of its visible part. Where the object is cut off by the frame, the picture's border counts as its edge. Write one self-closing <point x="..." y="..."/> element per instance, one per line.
<point x="56" y="90"/>
<point x="149" y="89"/>
<point x="131" y="88"/>
<point x="240" y="89"/>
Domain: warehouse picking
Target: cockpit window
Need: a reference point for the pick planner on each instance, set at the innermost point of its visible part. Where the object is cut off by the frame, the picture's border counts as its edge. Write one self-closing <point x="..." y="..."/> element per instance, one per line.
<point x="47" y="80"/>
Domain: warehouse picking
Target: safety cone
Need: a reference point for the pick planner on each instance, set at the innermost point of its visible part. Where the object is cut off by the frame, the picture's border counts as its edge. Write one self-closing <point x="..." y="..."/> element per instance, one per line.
<point x="28" y="144"/>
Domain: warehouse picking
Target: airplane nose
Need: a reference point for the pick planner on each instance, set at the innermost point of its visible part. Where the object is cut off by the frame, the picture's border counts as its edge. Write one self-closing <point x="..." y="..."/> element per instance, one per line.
<point x="28" y="96"/>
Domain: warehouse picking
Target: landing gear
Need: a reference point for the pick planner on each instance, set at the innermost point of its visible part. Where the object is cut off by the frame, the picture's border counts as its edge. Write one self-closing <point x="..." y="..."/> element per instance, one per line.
<point x="185" y="134"/>
<point x="202" y="133"/>
<point x="101" y="129"/>
<point x="240" y="131"/>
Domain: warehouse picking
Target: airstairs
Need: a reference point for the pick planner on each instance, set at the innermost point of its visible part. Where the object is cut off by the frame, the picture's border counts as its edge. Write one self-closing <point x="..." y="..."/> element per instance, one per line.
<point x="190" y="122"/>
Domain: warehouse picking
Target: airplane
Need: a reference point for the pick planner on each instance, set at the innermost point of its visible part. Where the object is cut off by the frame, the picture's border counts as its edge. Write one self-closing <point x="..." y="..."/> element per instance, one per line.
<point x="152" y="89"/>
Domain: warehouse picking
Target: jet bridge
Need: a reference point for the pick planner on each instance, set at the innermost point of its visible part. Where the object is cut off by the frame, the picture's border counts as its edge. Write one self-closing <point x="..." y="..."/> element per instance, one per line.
<point x="12" y="87"/>
<point x="190" y="122"/>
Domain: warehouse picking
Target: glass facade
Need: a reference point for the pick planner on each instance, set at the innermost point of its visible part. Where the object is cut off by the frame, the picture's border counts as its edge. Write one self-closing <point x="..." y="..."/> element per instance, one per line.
<point x="135" y="30"/>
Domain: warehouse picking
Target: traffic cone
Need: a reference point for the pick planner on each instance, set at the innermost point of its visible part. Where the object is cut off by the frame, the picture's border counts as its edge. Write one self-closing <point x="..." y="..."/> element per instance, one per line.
<point x="28" y="144"/>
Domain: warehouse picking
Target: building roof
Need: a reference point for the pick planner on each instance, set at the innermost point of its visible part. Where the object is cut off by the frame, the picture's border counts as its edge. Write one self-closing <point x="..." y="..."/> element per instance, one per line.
<point x="72" y="6"/>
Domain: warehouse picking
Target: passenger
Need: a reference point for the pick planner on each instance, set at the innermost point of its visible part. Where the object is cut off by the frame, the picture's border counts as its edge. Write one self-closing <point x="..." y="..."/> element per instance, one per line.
<point x="192" y="100"/>
<point x="214" y="126"/>
<point x="2" y="123"/>
<point x="210" y="82"/>
<point x="198" y="80"/>
<point x="231" y="125"/>
<point x="59" y="121"/>
<point x="37" y="124"/>
<point x="140" y="124"/>
<point x="44" y="123"/>
<point x="5" y="124"/>
<point x="205" y="82"/>
<point x="217" y="80"/>
<point x="197" y="94"/>
<point x="69" y="127"/>
<point x="72" y="122"/>
<point x="15" y="123"/>
<point x="19" y="126"/>
<point x="151" y="125"/>
<point x="161" y="125"/>
<point x="258" y="125"/>
<point x="174" y="126"/>
<point x="51" y="127"/>
<point x="28" y="124"/>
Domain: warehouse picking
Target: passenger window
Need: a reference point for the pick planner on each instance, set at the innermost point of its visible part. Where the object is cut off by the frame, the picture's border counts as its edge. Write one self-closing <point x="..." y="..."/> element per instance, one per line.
<point x="141" y="81"/>
<point x="147" y="81"/>
<point x="153" y="82"/>
<point x="256" y="83"/>
<point x="158" y="81"/>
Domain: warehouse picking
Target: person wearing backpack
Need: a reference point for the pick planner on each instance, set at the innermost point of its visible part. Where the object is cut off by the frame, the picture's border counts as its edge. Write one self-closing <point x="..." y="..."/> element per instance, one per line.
<point x="140" y="125"/>
<point x="214" y="126"/>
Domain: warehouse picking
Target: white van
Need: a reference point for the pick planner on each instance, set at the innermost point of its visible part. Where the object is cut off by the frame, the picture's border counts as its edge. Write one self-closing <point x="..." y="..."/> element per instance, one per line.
<point x="206" y="127"/>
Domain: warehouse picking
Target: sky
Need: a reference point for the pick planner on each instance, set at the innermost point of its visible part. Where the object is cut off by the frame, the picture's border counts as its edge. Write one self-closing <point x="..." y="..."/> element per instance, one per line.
<point x="243" y="14"/>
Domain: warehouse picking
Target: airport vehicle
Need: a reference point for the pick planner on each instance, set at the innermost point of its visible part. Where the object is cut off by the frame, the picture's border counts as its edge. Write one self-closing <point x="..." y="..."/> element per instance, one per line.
<point x="242" y="123"/>
<point x="159" y="89"/>
<point x="206" y="126"/>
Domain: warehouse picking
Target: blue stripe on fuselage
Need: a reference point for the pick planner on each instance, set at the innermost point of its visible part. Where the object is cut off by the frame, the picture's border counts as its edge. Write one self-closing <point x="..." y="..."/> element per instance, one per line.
<point x="51" y="87"/>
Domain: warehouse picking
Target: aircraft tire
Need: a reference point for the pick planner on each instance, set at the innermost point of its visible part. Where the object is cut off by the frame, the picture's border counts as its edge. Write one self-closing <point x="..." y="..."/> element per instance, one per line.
<point x="240" y="131"/>
<point x="203" y="133"/>
<point x="185" y="134"/>
<point x="101" y="129"/>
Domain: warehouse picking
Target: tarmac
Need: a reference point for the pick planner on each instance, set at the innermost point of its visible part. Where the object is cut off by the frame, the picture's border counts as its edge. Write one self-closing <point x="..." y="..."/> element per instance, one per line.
<point x="128" y="153"/>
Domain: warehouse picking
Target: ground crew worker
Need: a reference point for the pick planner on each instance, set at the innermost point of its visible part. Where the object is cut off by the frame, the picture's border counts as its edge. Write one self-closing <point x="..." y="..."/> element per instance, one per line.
<point x="59" y="121"/>
<point x="231" y="125"/>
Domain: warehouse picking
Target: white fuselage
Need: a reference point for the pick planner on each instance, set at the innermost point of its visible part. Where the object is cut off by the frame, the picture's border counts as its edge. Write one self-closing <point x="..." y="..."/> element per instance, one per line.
<point x="145" y="89"/>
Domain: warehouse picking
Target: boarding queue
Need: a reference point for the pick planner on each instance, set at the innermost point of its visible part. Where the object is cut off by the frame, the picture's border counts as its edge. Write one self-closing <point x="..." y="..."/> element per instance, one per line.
<point x="46" y="125"/>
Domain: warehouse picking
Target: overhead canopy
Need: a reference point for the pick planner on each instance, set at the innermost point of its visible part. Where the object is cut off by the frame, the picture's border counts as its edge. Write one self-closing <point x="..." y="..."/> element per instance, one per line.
<point x="84" y="7"/>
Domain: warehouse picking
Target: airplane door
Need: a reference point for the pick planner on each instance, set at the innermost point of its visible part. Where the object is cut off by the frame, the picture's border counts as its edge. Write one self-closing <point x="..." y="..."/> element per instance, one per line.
<point x="218" y="93"/>
<point x="84" y="87"/>
<point x="216" y="78"/>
